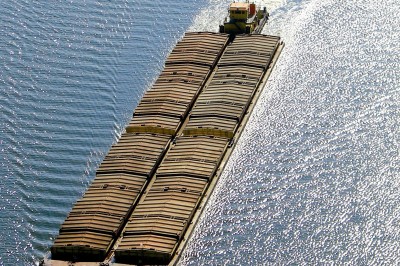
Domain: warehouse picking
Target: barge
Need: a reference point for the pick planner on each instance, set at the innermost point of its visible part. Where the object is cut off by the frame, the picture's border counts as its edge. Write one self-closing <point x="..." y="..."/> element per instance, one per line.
<point x="151" y="187"/>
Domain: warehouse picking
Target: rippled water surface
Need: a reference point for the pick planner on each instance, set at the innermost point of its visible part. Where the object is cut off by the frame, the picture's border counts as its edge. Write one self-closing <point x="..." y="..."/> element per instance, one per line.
<point x="314" y="178"/>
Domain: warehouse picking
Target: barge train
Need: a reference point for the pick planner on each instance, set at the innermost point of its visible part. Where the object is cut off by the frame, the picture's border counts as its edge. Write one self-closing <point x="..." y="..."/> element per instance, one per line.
<point x="151" y="187"/>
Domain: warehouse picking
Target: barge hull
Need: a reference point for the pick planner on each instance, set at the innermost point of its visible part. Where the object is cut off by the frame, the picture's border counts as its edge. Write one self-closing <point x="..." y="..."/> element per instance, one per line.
<point x="177" y="186"/>
<point x="200" y="152"/>
<point x="211" y="187"/>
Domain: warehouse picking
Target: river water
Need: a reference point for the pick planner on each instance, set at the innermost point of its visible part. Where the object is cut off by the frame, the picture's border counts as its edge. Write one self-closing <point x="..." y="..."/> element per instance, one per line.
<point x="314" y="179"/>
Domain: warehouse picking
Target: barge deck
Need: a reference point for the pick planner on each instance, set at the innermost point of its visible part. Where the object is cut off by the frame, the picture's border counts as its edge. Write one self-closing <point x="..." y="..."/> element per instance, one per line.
<point x="149" y="191"/>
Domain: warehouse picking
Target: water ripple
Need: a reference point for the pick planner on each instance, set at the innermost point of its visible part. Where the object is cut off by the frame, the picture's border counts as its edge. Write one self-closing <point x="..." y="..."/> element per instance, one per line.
<point x="314" y="178"/>
<point x="71" y="73"/>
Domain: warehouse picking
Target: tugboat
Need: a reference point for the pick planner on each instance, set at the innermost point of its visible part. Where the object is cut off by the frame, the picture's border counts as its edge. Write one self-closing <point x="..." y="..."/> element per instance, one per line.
<point x="244" y="18"/>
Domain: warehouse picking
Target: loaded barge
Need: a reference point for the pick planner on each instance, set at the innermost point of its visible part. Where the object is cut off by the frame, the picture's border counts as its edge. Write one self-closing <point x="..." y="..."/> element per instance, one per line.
<point x="150" y="189"/>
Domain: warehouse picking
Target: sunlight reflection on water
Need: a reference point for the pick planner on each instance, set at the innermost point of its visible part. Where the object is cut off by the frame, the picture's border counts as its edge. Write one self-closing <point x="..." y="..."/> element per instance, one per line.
<point x="314" y="179"/>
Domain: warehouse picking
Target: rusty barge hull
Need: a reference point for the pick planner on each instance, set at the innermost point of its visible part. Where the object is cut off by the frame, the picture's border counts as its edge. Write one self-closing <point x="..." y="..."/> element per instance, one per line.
<point x="150" y="189"/>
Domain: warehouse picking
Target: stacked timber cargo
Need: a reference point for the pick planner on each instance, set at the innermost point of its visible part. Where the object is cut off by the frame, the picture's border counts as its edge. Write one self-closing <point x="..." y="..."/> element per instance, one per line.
<point x="159" y="222"/>
<point x="97" y="220"/>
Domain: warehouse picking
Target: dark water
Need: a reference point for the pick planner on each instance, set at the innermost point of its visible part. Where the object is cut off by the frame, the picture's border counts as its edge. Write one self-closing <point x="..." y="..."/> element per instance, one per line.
<point x="314" y="179"/>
